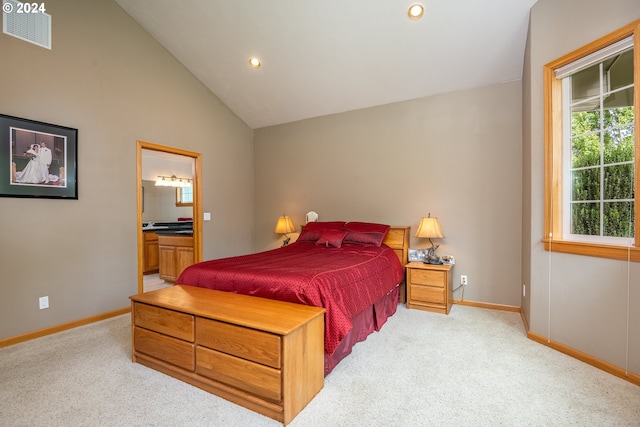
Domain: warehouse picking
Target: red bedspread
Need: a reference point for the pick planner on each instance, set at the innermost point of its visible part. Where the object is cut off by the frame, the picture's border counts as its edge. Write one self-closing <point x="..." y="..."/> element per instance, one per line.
<point x="343" y="280"/>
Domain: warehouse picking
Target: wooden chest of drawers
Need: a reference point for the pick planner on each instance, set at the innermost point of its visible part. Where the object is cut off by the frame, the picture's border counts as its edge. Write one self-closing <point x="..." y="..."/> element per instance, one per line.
<point x="263" y="354"/>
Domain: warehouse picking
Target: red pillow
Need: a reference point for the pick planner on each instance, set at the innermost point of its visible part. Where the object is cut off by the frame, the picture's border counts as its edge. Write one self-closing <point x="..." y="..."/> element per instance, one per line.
<point x="366" y="233"/>
<point x="331" y="238"/>
<point x="313" y="230"/>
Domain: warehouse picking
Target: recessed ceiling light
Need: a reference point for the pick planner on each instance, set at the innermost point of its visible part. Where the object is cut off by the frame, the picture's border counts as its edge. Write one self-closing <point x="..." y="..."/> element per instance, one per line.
<point x="416" y="11"/>
<point x="255" y="62"/>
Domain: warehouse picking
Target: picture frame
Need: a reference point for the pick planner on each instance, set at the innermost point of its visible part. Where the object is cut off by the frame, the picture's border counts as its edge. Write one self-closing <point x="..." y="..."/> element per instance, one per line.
<point x="448" y="259"/>
<point x="416" y="255"/>
<point x="37" y="159"/>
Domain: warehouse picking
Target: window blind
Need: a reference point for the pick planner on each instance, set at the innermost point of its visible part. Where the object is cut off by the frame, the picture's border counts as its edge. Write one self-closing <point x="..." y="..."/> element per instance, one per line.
<point x="594" y="58"/>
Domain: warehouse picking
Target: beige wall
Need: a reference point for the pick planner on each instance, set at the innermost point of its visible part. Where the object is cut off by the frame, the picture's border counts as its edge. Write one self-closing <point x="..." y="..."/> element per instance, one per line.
<point x="525" y="296"/>
<point x="457" y="156"/>
<point x="109" y="79"/>
<point x="590" y="304"/>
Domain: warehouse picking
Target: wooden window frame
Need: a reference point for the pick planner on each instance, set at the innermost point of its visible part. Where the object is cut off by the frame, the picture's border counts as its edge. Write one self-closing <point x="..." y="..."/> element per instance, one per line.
<point x="179" y="202"/>
<point x="553" y="237"/>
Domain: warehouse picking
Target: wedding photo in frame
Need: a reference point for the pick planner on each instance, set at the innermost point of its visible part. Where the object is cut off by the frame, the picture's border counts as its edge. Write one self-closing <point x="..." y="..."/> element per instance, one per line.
<point x="37" y="159"/>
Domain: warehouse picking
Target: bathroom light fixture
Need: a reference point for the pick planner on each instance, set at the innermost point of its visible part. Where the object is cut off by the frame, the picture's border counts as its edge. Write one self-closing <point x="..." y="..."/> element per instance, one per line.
<point x="416" y="11"/>
<point x="255" y="62"/>
<point x="172" y="181"/>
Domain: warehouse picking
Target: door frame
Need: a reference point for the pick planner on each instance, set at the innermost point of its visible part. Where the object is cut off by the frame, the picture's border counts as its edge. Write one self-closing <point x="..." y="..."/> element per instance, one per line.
<point x="197" y="201"/>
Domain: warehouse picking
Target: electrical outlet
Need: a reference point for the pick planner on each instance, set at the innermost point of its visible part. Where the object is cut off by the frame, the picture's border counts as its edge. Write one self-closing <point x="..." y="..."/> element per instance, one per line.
<point x="44" y="302"/>
<point x="463" y="280"/>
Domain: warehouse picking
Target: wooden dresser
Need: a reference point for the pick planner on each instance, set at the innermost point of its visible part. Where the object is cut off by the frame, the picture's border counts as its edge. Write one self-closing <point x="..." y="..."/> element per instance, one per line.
<point x="265" y="355"/>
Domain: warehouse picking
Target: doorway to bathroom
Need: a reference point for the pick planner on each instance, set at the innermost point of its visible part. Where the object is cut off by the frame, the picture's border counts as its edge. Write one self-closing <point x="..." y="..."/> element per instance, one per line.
<point x="168" y="204"/>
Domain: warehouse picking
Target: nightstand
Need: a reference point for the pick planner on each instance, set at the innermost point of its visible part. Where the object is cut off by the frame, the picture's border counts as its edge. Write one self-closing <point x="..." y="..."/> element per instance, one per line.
<point x="429" y="287"/>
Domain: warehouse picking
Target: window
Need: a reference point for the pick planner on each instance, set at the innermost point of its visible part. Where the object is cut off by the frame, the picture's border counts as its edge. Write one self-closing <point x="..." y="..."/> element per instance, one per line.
<point x="184" y="196"/>
<point x="591" y="149"/>
<point x="598" y="150"/>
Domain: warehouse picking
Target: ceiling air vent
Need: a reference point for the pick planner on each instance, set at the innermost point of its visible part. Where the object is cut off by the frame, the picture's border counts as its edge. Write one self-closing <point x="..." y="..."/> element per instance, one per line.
<point x="27" y="21"/>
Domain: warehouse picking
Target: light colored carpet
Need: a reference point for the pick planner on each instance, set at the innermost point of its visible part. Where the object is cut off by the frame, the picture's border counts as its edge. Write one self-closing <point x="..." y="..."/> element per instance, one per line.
<point x="474" y="367"/>
<point x="152" y="282"/>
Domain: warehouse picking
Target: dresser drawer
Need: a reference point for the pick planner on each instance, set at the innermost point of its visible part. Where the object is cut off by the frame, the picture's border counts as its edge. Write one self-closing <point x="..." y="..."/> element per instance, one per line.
<point x="168" y="322"/>
<point x="248" y="376"/>
<point x="426" y="294"/>
<point x="428" y="277"/>
<point x="250" y="344"/>
<point x="168" y="349"/>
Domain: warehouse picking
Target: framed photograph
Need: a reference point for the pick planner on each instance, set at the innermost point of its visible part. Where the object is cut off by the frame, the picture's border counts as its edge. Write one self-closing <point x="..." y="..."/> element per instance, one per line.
<point x="448" y="259"/>
<point x="37" y="159"/>
<point x="416" y="255"/>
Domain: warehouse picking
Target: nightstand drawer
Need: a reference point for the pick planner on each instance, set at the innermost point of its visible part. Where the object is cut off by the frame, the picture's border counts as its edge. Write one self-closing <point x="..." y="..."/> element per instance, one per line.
<point x="426" y="294"/>
<point x="428" y="277"/>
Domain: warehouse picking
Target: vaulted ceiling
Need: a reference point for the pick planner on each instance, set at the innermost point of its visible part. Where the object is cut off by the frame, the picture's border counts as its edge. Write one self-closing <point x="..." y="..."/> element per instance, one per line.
<point x="331" y="56"/>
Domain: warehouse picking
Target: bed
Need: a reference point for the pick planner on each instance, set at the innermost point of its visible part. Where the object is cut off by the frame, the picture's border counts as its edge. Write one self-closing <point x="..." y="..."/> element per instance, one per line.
<point x="354" y="270"/>
<point x="264" y="330"/>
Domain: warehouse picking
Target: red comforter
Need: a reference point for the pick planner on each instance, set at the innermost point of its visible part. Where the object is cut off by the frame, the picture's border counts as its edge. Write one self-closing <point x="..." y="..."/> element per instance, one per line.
<point x="343" y="280"/>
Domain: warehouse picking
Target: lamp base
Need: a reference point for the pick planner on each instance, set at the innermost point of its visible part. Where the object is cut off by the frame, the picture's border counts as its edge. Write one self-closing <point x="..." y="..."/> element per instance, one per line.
<point x="431" y="257"/>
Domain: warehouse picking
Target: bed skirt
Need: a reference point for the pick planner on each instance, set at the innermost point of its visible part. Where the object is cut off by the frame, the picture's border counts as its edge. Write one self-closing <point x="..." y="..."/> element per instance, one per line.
<point x="364" y="324"/>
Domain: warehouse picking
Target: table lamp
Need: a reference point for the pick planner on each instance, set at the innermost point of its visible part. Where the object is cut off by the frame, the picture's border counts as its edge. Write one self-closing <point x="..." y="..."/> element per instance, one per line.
<point x="284" y="226"/>
<point x="430" y="228"/>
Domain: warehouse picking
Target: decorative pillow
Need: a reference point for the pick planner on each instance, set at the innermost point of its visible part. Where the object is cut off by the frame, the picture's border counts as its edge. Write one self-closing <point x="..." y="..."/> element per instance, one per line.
<point x="365" y="233"/>
<point x="331" y="238"/>
<point x="312" y="231"/>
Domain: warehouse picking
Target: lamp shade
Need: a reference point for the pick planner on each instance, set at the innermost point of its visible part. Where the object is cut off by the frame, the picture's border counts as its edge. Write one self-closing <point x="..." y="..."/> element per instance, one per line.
<point x="284" y="225"/>
<point x="429" y="227"/>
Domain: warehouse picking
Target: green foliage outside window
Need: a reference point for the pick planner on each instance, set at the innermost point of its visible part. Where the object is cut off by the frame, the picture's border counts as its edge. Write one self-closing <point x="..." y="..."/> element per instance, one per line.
<point x="602" y="161"/>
